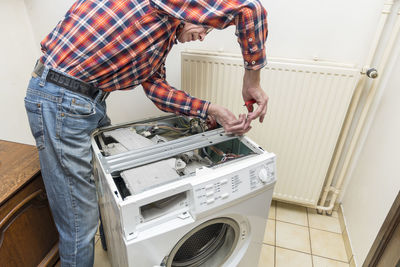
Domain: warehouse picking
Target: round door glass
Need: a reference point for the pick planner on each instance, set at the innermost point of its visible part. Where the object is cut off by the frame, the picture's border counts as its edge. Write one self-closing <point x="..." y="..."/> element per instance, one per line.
<point x="209" y="244"/>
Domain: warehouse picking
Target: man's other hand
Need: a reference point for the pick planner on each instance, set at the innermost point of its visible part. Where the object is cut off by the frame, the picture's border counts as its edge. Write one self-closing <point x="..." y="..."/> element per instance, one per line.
<point x="228" y="120"/>
<point x="253" y="91"/>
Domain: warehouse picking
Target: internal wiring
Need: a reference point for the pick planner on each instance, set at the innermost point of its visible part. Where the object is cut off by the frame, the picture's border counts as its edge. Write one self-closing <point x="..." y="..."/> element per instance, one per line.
<point x="225" y="156"/>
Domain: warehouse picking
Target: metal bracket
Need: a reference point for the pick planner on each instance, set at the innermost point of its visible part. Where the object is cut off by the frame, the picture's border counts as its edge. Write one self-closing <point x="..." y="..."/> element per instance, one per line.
<point x="145" y="155"/>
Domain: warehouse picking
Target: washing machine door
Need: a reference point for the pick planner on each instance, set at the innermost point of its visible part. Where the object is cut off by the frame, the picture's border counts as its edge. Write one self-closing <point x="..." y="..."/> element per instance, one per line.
<point x="208" y="245"/>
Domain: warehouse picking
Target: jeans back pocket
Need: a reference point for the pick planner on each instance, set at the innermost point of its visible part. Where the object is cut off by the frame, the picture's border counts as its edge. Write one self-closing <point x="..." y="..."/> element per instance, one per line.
<point x="35" y="118"/>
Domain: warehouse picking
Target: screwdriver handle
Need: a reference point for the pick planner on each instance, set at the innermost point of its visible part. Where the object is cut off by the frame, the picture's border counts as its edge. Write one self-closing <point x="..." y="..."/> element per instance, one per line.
<point x="249" y="104"/>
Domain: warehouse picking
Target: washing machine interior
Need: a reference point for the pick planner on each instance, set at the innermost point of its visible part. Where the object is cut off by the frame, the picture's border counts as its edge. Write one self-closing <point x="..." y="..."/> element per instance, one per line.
<point x="119" y="141"/>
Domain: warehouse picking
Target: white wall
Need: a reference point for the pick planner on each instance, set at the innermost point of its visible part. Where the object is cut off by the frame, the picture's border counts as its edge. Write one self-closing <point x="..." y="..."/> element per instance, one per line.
<point x="375" y="179"/>
<point x="17" y="61"/>
<point x="44" y="15"/>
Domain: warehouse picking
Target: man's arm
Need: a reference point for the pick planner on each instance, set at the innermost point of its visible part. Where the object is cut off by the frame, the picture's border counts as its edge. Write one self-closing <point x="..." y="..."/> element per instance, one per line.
<point x="169" y="99"/>
<point x="252" y="90"/>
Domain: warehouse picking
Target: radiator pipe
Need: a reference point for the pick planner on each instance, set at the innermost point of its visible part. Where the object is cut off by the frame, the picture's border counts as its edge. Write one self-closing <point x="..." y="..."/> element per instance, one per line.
<point x="387" y="9"/>
<point x="365" y="111"/>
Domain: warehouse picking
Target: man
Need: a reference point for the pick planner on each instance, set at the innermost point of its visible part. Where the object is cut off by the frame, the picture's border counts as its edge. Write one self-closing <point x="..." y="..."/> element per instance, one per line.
<point x="106" y="45"/>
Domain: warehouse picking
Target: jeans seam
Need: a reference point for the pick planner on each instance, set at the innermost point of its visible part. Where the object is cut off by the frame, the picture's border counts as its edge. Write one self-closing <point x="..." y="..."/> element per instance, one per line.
<point x="67" y="177"/>
<point x="73" y="204"/>
<point x="43" y="95"/>
<point x="42" y="128"/>
<point x="59" y="118"/>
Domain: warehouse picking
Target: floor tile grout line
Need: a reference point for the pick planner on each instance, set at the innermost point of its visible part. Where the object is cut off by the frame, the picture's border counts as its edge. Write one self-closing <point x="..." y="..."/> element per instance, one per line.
<point x="279" y="246"/>
<point x="309" y="238"/>
<point x="327" y="231"/>
<point x="311" y="254"/>
<point x="330" y="258"/>
<point x="264" y="243"/>
<point x="275" y="210"/>
<point x="292" y="223"/>
<point x="308" y="227"/>
<point x="293" y="250"/>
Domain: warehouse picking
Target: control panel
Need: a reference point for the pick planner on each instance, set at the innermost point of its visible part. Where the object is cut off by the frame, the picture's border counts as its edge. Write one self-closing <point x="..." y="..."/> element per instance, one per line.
<point x="233" y="185"/>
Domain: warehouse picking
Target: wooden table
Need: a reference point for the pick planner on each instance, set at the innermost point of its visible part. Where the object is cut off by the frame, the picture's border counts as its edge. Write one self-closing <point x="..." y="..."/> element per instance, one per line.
<point x="28" y="236"/>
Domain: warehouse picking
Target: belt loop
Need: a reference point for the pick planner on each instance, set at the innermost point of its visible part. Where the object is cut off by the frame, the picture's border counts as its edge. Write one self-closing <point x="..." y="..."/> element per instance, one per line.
<point x="101" y="96"/>
<point x="44" y="76"/>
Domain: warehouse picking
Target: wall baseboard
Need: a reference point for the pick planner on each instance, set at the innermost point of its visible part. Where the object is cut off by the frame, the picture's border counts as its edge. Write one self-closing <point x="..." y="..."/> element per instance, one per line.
<point x="346" y="238"/>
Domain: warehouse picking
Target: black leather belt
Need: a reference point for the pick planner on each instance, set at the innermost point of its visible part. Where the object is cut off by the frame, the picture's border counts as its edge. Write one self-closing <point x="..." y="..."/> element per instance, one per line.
<point x="70" y="83"/>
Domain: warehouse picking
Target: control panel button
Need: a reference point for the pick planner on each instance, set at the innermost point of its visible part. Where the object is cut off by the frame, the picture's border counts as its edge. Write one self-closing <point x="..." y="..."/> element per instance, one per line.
<point x="209" y="186"/>
<point x="263" y="175"/>
<point x="210" y="193"/>
<point x="210" y="201"/>
<point x="224" y="181"/>
<point x="225" y="195"/>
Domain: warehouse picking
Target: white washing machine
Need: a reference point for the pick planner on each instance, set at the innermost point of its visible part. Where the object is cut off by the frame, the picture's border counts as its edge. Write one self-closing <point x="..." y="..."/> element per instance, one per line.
<point x="173" y="193"/>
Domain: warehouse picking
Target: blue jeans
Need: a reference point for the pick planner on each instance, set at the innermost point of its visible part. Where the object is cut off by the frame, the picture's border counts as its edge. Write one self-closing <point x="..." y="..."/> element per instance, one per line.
<point x="61" y="122"/>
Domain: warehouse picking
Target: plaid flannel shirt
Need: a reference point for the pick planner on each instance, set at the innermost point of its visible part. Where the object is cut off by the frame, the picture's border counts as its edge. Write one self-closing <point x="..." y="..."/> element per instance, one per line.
<point x="117" y="45"/>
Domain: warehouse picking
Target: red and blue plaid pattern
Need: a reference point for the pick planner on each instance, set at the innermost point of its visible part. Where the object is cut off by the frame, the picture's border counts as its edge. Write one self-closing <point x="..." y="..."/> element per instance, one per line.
<point x="117" y="45"/>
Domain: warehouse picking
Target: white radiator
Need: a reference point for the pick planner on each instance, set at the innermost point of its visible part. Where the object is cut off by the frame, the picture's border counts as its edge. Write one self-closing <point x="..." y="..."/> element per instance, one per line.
<point x="307" y="106"/>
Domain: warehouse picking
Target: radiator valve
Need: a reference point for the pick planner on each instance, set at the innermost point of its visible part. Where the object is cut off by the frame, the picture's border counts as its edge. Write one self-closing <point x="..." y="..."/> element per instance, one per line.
<point x="372" y="73"/>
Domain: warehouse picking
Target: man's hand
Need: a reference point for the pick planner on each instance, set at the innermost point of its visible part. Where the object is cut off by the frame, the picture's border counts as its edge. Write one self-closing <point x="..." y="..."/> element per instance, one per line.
<point x="252" y="90"/>
<point x="228" y="120"/>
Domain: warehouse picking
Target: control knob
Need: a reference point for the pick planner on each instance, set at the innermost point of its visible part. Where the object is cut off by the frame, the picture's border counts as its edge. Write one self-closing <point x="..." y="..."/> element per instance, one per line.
<point x="263" y="175"/>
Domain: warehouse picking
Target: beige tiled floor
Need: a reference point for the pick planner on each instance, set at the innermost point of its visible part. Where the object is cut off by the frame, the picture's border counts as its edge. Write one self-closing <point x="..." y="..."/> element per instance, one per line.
<point x="100" y="256"/>
<point x="302" y="238"/>
<point x="294" y="236"/>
